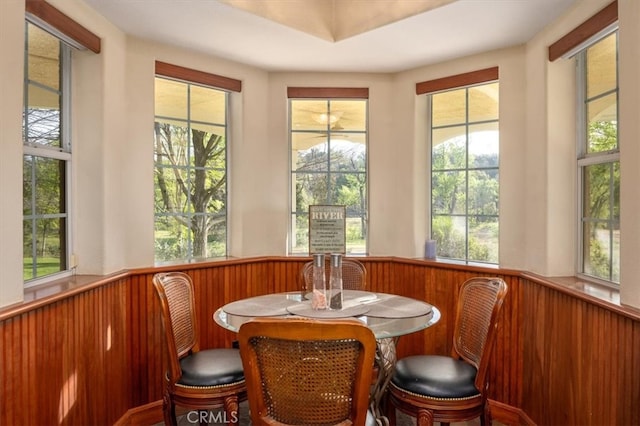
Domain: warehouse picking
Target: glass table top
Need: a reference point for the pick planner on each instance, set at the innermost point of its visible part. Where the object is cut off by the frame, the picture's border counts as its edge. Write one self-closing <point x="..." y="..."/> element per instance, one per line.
<point x="387" y="315"/>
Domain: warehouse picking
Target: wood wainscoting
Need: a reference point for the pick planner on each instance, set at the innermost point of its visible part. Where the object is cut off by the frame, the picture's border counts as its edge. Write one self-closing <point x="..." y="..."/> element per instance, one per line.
<point x="94" y="354"/>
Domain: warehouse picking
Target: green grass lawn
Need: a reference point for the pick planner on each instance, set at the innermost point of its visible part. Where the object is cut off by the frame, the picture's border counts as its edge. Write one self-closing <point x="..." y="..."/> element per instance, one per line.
<point x="46" y="266"/>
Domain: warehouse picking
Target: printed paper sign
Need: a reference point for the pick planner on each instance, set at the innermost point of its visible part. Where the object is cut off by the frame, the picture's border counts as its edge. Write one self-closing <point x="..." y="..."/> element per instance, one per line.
<point x="327" y="229"/>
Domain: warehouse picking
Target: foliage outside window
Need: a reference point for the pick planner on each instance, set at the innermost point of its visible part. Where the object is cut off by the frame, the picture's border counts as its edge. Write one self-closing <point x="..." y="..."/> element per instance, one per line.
<point x="465" y="173"/>
<point x="328" y="166"/>
<point x="190" y="171"/>
<point x="599" y="160"/>
<point x="47" y="153"/>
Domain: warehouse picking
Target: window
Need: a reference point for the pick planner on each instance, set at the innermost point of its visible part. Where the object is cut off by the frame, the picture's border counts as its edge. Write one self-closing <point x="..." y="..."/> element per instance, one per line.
<point x="599" y="160"/>
<point x="328" y="138"/>
<point x="465" y="173"/>
<point x="50" y="37"/>
<point x="190" y="170"/>
<point x="47" y="154"/>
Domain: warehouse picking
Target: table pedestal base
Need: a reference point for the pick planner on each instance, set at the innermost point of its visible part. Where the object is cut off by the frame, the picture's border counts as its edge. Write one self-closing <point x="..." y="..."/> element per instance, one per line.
<point x="385" y="361"/>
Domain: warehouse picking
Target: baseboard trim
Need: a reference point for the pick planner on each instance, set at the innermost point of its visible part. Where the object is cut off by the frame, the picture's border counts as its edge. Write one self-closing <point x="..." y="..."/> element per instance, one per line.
<point x="148" y="414"/>
<point x="508" y="415"/>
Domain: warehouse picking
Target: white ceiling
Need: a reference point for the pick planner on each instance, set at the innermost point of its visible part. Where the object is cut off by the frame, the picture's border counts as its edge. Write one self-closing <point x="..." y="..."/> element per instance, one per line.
<point x="456" y="29"/>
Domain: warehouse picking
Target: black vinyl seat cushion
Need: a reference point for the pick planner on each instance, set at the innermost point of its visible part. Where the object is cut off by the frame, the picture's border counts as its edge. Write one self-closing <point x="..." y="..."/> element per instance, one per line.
<point x="436" y="376"/>
<point x="212" y="367"/>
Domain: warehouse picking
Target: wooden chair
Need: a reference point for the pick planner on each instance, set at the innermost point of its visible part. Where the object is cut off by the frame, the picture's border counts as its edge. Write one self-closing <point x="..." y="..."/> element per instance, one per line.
<point x="198" y="380"/>
<point x="453" y="389"/>
<point x="304" y="371"/>
<point x="354" y="275"/>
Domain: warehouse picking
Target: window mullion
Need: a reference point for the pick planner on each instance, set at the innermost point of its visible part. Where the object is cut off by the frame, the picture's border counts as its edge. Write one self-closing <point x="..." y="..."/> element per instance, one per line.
<point x="466" y="173"/>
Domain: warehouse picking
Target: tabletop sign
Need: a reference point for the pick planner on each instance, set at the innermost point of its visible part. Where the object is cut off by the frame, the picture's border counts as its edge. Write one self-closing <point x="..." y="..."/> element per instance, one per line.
<point x="327" y="225"/>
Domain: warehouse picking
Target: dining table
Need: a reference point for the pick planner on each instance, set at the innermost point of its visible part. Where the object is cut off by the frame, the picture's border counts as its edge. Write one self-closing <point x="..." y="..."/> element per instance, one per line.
<point x="389" y="317"/>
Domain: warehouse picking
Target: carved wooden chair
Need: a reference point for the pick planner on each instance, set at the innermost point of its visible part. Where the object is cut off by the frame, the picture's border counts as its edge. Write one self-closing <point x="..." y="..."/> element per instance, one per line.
<point x="195" y="379"/>
<point x="304" y="371"/>
<point x="453" y="389"/>
<point x="354" y="275"/>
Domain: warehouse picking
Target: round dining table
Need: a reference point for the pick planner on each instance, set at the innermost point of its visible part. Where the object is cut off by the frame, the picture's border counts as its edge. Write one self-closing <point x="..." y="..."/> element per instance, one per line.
<point x="389" y="316"/>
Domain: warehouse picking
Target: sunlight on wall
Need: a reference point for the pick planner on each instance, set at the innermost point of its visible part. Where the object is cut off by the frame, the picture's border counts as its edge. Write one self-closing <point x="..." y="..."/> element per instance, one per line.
<point x="109" y="337"/>
<point x="68" y="397"/>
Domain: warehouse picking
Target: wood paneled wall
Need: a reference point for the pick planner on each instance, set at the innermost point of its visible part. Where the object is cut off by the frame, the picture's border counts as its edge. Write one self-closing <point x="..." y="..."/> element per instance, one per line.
<point x="581" y="362"/>
<point x="89" y="357"/>
<point x="66" y="362"/>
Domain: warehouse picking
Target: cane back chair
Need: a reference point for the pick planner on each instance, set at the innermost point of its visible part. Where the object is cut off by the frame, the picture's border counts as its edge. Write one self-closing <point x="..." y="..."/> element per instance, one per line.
<point x="195" y="379"/>
<point x="307" y="372"/>
<point x="354" y="275"/>
<point x="453" y="389"/>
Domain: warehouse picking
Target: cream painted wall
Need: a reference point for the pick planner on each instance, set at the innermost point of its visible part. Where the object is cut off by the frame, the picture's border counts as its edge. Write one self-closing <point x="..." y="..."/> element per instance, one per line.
<point x="259" y="209"/>
<point x="256" y="219"/>
<point x="512" y="145"/>
<point x="100" y="167"/>
<point x="138" y="159"/>
<point x="12" y="72"/>
<point x="388" y="203"/>
<point x="550" y="150"/>
<point x="551" y="133"/>
<point x="113" y="168"/>
<point x="629" y="45"/>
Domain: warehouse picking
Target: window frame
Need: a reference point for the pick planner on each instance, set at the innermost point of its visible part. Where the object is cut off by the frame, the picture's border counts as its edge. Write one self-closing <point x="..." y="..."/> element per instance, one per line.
<point x="585" y="159"/>
<point x="63" y="153"/>
<point x="467" y="169"/>
<point x="192" y="77"/>
<point x="453" y="82"/>
<point x="71" y="36"/>
<point x="329" y="95"/>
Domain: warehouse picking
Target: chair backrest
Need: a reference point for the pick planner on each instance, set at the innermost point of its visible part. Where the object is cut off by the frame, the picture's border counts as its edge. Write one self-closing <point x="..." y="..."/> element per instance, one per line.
<point x="177" y="301"/>
<point x="354" y="275"/>
<point x="479" y="303"/>
<point x="304" y="371"/>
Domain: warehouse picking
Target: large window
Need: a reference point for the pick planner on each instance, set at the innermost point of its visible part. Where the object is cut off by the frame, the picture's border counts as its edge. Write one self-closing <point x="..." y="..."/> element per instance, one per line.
<point x="328" y="166"/>
<point x="47" y="154"/>
<point x="464" y="173"/>
<point x="190" y="171"/>
<point x="599" y="160"/>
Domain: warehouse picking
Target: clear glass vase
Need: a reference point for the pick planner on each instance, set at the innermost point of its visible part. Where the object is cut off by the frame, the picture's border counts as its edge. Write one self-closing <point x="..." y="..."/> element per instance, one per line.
<point x="335" y="282"/>
<point x="319" y="292"/>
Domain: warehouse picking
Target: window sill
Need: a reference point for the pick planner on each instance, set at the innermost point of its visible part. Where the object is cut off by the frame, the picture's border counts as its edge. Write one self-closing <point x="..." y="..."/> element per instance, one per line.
<point x="44" y="294"/>
<point x="598" y="294"/>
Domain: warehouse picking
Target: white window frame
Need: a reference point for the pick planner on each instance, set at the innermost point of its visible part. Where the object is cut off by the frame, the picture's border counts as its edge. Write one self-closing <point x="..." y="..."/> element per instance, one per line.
<point x="292" y="171"/>
<point x="63" y="153"/>
<point x="190" y="256"/>
<point x="583" y="158"/>
<point x="467" y="169"/>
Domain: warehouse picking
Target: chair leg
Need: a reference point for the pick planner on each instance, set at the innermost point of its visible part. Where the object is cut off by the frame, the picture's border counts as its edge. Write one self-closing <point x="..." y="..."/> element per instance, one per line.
<point x="485" y="418"/>
<point x="169" y="410"/>
<point x="231" y="408"/>
<point x="425" y="418"/>
<point x="390" y="413"/>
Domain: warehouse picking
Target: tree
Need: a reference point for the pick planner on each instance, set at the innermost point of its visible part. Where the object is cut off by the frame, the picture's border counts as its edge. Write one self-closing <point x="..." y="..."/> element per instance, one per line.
<point x="601" y="203"/>
<point x="465" y="202"/>
<point x="191" y="182"/>
<point x="338" y="178"/>
<point x="602" y="179"/>
<point x="44" y="196"/>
